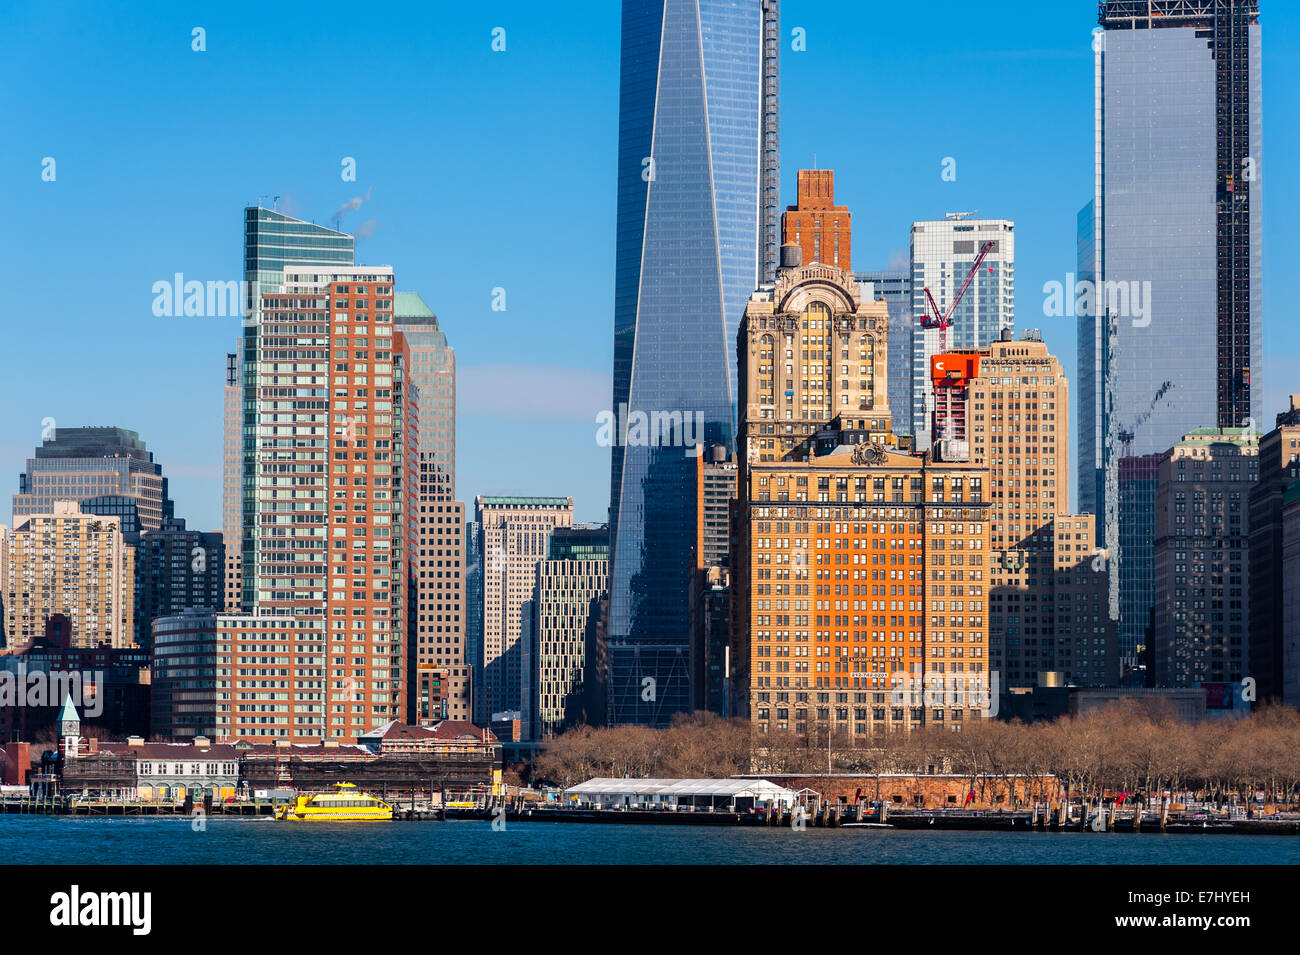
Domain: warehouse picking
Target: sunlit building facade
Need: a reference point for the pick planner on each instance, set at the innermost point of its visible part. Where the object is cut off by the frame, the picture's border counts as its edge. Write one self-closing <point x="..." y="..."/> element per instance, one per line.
<point x="70" y="564"/>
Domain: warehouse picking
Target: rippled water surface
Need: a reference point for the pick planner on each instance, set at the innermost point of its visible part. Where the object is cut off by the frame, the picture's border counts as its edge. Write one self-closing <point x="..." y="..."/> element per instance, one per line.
<point x="64" y="840"/>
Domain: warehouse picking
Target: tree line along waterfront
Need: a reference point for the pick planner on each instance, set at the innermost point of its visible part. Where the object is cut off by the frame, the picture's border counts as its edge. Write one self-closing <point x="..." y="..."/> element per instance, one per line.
<point x="1141" y="749"/>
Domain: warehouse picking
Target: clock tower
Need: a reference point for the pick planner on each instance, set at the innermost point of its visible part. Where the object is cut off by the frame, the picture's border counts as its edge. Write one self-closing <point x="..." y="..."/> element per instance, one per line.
<point x="69" y="728"/>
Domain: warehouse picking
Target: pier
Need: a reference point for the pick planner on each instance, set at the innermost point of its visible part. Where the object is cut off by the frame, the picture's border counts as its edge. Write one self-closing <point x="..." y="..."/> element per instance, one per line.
<point x="865" y="817"/>
<point x="75" y="806"/>
<point x="861" y="816"/>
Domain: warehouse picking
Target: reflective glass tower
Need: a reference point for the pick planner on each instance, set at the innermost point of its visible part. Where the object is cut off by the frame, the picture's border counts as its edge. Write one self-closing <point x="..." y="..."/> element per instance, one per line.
<point x="1172" y="239"/>
<point x="697" y="154"/>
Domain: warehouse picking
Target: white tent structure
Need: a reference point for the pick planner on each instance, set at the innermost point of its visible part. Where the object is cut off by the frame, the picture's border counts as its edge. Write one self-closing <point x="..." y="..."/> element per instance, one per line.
<point x="733" y="795"/>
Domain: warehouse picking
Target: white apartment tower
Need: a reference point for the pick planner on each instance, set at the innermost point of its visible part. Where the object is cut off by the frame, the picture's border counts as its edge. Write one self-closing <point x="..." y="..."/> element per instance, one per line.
<point x="943" y="253"/>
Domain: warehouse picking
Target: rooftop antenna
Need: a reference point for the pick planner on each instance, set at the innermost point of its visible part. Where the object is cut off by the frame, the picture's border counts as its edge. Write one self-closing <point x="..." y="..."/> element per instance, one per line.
<point x="259" y="200"/>
<point x="954" y="216"/>
<point x="276" y="200"/>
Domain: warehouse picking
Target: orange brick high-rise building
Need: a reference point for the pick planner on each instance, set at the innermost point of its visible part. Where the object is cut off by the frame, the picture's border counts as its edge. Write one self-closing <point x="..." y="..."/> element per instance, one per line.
<point x="861" y="570"/>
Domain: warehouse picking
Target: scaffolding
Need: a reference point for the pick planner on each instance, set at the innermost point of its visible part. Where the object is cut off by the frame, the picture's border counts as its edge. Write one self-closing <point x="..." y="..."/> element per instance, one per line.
<point x="1152" y="14"/>
<point x="1230" y="43"/>
<point x="770" y="184"/>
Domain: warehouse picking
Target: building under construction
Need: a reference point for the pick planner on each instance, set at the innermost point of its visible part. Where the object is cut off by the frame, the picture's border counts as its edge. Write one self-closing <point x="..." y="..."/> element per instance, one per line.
<point x="1171" y="240"/>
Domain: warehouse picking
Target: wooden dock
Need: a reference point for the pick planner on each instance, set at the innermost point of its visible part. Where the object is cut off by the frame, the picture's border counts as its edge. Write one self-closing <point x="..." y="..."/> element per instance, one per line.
<point x="861" y="817"/>
<point x="865" y="818"/>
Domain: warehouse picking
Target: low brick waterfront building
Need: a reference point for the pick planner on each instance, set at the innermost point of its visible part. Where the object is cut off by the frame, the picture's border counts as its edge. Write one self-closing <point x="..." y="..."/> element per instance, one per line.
<point x="394" y="760"/>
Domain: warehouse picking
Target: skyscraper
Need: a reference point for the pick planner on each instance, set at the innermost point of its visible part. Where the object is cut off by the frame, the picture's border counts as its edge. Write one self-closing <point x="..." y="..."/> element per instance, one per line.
<point x="1049" y="618"/>
<point x="329" y="510"/>
<point x="1279" y="471"/>
<point x="437" y="650"/>
<point x="943" y="253"/>
<point x="272" y="240"/>
<point x="562" y="685"/>
<point x="1134" y="567"/>
<point x="696" y="230"/>
<point x="433" y="370"/>
<point x="828" y="508"/>
<point x="1171" y="238"/>
<point x="514" y="535"/>
<point x="717" y="482"/>
<point x="1202" y="558"/>
<point x="1289" y="638"/>
<point x="108" y="471"/>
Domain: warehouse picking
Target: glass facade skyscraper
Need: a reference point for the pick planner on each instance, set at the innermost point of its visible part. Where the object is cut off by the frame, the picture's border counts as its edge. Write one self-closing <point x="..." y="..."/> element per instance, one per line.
<point x="1171" y="238"/>
<point x="697" y="118"/>
<point x="273" y="240"/>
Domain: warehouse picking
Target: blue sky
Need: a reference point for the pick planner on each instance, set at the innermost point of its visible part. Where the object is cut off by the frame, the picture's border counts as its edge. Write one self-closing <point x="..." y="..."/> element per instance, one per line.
<point x="494" y="169"/>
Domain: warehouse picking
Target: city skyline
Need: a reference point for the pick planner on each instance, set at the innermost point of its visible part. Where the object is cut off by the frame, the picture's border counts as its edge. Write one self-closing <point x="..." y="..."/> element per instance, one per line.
<point x="650" y="433"/>
<point x="1038" y="177"/>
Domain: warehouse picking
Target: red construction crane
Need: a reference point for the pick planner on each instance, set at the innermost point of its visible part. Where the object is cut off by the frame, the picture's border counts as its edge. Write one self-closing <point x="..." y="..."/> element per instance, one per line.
<point x="933" y="318"/>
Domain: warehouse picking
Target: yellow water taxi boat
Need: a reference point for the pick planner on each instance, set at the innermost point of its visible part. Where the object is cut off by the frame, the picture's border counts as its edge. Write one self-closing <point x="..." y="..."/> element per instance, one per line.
<point x="345" y="804"/>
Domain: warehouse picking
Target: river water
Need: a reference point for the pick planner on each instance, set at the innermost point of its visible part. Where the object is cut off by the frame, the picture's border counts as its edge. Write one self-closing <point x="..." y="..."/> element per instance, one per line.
<point x="68" y="840"/>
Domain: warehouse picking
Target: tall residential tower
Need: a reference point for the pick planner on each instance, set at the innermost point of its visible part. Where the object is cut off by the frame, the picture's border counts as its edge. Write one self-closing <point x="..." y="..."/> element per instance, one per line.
<point x="272" y="240"/>
<point x="943" y="254"/>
